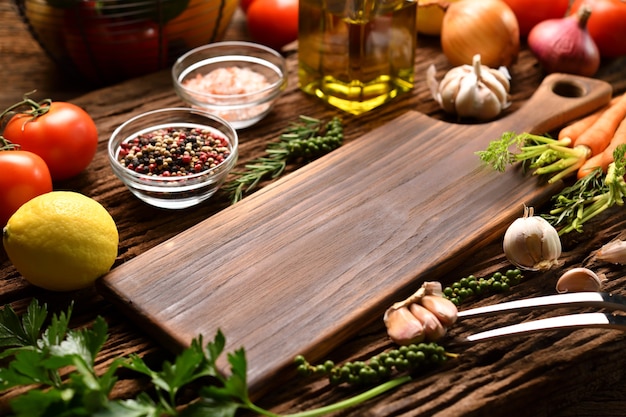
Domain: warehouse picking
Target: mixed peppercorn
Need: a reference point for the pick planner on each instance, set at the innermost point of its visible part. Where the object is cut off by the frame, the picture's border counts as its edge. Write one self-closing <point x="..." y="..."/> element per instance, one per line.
<point x="174" y="151"/>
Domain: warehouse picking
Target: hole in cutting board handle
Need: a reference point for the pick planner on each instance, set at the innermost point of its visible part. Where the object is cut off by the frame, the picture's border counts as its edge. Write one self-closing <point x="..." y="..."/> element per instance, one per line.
<point x="569" y="88"/>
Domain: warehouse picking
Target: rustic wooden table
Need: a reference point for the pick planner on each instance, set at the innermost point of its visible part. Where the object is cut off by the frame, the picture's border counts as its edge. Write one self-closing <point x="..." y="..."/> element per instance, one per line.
<point x="563" y="374"/>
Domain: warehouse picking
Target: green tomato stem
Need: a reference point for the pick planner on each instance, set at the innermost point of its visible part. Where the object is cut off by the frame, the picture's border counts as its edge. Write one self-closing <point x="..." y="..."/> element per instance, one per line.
<point x="36" y="108"/>
<point x="7" y="145"/>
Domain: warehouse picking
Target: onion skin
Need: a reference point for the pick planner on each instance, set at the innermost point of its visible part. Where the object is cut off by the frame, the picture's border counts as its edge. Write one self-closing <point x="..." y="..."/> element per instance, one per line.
<point x="529" y="13"/>
<point x="607" y="25"/>
<point x="485" y="27"/>
<point x="430" y="16"/>
<point x="565" y="45"/>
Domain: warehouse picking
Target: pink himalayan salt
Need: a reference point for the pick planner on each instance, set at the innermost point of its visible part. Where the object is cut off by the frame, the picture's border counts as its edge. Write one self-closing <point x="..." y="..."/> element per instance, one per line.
<point x="228" y="81"/>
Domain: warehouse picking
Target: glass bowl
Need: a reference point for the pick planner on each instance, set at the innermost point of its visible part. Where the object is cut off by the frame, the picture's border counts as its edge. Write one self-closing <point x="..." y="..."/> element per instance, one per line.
<point x="173" y="158"/>
<point x="108" y="41"/>
<point x="237" y="81"/>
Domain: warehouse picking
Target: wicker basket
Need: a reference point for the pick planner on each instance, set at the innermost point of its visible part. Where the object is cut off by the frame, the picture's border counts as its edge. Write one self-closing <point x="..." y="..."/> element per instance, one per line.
<point x="107" y="41"/>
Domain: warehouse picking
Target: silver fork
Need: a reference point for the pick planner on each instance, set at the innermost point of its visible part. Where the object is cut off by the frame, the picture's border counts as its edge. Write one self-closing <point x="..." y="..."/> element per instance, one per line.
<point x="572" y="321"/>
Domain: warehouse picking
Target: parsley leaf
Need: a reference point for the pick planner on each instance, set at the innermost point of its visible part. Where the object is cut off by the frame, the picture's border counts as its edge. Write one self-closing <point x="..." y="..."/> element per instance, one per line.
<point x="36" y="355"/>
<point x="21" y="333"/>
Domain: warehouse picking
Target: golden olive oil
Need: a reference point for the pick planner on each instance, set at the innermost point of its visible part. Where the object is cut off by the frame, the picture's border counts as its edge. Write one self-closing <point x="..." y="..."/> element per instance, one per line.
<point x="356" y="54"/>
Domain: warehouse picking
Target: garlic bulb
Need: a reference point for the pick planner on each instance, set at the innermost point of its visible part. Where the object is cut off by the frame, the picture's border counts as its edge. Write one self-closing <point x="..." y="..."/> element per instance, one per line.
<point x="577" y="280"/>
<point x="474" y="91"/>
<point x="425" y="315"/>
<point x="532" y="243"/>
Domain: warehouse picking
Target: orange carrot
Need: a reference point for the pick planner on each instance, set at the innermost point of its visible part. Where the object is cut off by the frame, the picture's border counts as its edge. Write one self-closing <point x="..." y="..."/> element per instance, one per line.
<point x="599" y="135"/>
<point x="576" y="128"/>
<point x="604" y="158"/>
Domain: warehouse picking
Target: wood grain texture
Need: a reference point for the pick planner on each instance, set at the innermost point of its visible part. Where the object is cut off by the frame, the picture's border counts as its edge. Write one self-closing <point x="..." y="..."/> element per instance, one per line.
<point x="304" y="264"/>
<point x="545" y="375"/>
<point x="555" y="375"/>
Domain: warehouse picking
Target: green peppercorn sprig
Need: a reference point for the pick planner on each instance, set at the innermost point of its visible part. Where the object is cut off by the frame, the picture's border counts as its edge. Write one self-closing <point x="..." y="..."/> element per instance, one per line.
<point x="303" y="141"/>
<point x="470" y="286"/>
<point x="412" y="359"/>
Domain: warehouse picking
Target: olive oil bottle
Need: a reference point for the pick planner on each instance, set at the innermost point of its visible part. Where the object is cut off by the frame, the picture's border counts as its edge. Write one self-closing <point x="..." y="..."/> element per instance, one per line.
<point x="356" y="54"/>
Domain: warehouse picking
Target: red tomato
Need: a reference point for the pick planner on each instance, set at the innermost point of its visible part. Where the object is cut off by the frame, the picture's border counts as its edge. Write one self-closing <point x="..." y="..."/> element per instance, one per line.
<point x="245" y="4"/>
<point x="24" y="176"/>
<point x="65" y="137"/>
<point x="606" y="25"/>
<point x="273" y="22"/>
<point x="531" y="12"/>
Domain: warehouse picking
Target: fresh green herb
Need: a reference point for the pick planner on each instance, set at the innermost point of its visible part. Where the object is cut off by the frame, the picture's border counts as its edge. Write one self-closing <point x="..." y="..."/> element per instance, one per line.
<point x="574" y="205"/>
<point x="498" y="154"/>
<point x="543" y="154"/>
<point x="470" y="286"/>
<point x="303" y="141"/>
<point x="589" y="196"/>
<point x="569" y="204"/>
<point x="36" y="354"/>
<point x="412" y="359"/>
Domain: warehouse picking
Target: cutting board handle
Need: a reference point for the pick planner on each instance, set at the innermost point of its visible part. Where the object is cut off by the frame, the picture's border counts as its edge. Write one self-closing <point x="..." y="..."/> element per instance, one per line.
<point x="560" y="99"/>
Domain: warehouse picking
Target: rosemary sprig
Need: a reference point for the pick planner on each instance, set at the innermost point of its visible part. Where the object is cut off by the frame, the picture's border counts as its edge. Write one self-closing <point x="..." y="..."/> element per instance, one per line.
<point x="304" y="140"/>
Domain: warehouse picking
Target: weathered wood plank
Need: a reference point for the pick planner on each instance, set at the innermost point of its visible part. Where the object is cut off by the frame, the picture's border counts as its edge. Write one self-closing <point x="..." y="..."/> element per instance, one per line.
<point x="594" y="385"/>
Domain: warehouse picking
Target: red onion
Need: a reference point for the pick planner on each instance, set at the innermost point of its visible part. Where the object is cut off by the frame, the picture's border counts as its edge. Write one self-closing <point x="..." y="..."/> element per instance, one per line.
<point x="564" y="45"/>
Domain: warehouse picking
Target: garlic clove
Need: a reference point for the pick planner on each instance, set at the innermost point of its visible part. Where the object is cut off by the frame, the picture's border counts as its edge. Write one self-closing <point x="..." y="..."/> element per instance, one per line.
<point x="444" y="310"/>
<point x="613" y="252"/>
<point x="403" y="327"/>
<point x="433" y="329"/>
<point x="499" y="85"/>
<point x="579" y="280"/>
<point x="431" y="82"/>
<point x="476" y="101"/>
<point x="531" y="243"/>
<point x="423" y="315"/>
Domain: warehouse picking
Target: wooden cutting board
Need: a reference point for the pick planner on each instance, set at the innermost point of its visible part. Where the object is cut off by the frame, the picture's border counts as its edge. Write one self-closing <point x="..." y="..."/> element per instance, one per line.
<point x="303" y="264"/>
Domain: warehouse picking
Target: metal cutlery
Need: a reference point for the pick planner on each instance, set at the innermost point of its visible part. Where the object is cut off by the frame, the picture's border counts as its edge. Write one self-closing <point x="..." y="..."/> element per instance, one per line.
<point x="604" y="301"/>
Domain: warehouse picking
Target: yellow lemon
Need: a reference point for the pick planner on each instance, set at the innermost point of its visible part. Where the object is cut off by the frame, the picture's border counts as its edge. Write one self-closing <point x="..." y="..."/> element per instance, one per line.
<point x="61" y="241"/>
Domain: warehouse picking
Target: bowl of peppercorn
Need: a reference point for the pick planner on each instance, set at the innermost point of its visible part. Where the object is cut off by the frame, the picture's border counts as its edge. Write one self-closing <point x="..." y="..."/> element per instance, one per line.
<point x="238" y="81"/>
<point x="173" y="158"/>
